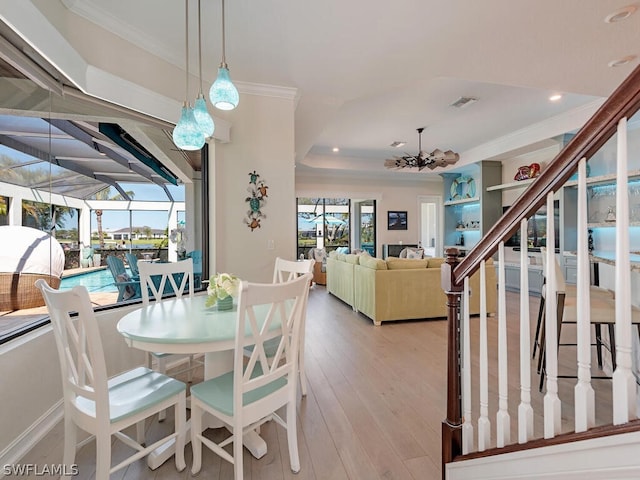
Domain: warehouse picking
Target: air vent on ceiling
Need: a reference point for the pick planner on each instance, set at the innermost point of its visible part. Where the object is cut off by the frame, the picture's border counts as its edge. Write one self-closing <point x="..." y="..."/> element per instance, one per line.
<point x="463" y="102"/>
<point x="397" y="144"/>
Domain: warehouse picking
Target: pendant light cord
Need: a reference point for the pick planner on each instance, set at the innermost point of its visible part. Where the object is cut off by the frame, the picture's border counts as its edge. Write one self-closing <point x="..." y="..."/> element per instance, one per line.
<point x="186" y="44"/>
<point x="199" y="47"/>
<point x="224" y="58"/>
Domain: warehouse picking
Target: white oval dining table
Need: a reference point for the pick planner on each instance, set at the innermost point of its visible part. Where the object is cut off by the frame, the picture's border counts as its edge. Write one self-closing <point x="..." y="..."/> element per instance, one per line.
<point x="185" y="326"/>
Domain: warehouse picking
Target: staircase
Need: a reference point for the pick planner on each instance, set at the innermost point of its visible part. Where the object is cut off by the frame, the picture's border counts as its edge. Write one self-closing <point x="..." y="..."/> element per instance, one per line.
<point x="498" y="426"/>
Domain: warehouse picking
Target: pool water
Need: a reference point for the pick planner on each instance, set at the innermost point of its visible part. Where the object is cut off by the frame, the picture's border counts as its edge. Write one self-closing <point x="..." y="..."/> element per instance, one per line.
<point x="96" y="281"/>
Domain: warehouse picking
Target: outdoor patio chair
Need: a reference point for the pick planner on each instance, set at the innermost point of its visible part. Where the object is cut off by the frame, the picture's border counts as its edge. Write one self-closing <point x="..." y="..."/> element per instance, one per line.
<point x="257" y="388"/>
<point x="132" y="260"/>
<point x="100" y="406"/>
<point x="128" y="286"/>
<point x="196" y="256"/>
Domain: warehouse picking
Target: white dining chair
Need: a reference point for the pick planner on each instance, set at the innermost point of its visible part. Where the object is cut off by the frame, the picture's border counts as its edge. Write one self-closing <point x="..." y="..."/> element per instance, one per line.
<point x="157" y="280"/>
<point x="284" y="271"/>
<point x="250" y="395"/>
<point x="101" y="406"/>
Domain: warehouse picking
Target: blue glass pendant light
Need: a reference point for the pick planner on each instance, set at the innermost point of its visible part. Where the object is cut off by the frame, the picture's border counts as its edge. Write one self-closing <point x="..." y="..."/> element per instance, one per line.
<point x="186" y="134"/>
<point x="200" y="111"/>
<point x="223" y="93"/>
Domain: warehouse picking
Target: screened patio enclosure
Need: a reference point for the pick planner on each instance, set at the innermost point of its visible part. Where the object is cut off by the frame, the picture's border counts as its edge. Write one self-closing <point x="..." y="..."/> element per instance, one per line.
<point x="91" y="174"/>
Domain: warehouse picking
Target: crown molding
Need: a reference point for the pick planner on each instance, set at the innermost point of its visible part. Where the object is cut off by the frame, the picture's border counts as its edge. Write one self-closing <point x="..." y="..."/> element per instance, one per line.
<point x="264" y="90"/>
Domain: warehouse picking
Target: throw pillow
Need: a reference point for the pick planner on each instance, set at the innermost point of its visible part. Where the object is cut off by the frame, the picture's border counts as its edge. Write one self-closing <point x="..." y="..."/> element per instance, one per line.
<point x="318" y="254"/>
<point x="415" y="253"/>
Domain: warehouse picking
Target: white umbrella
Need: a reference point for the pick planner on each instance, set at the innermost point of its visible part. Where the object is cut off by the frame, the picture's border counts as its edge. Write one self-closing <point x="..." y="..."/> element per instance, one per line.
<point x="329" y="219"/>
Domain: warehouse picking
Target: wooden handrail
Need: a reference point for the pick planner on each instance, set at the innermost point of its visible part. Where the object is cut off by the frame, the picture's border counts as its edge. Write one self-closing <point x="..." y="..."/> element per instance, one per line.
<point x="623" y="102"/>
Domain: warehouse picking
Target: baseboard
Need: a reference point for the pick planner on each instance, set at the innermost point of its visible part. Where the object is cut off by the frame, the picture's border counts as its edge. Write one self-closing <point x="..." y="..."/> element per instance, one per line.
<point x="611" y="457"/>
<point x="17" y="449"/>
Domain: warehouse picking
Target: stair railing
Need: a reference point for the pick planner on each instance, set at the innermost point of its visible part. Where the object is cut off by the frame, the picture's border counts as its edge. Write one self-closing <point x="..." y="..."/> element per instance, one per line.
<point x="610" y="118"/>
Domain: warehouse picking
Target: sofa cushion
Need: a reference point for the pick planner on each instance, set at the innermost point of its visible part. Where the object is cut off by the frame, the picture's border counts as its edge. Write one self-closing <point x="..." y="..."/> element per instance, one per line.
<point x="435" y="262"/>
<point x="406" y="263"/>
<point x="372" y="262"/>
<point x="351" y="258"/>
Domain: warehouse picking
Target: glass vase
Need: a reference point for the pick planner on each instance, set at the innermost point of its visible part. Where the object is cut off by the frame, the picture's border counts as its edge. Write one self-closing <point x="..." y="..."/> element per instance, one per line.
<point x="225" y="303"/>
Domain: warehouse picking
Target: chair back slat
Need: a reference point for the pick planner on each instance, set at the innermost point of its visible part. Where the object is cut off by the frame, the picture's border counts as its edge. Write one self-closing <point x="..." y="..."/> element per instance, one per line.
<point x="133" y="263"/>
<point x="267" y="311"/>
<point x="78" y="342"/>
<point x="286" y="270"/>
<point x="156" y="278"/>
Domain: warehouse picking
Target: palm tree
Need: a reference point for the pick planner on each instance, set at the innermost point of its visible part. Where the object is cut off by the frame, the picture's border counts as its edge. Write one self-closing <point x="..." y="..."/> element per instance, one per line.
<point x="104" y="195"/>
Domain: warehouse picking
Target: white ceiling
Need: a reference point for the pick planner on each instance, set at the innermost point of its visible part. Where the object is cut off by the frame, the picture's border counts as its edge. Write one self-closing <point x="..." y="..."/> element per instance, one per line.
<point x="369" y="72"/>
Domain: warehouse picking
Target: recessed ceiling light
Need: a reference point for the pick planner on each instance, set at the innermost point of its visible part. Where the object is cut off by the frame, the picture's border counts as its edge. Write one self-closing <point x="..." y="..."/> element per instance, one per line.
<point x="621" y="14"/>
<point x="335" y="149"/>
<point x="622" y="61"/>
<point x="397" y="144"/>
<point x="555" y="98"/>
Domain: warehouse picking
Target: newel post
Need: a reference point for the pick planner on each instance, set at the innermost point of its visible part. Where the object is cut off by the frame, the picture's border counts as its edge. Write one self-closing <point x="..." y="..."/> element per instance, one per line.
<point x="452" y="425"/>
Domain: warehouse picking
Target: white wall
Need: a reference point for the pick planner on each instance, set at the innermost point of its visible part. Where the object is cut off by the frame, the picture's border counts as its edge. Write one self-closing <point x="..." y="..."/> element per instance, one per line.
<point x="388" y="193"/>
<point x="261" y="140"/>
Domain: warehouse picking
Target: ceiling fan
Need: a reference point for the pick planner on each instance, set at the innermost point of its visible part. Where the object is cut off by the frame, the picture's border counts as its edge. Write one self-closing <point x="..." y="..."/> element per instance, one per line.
<point x="437" y="158"/>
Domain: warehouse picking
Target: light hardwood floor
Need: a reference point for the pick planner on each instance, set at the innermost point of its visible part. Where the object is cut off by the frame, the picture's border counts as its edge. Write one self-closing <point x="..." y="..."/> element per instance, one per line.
<point x="374" y="409"/>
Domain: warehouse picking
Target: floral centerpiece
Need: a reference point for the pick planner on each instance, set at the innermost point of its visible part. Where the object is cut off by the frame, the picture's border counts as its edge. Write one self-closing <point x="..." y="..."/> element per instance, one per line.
<point x="222" y="288"/>
<point x="179" y="237"/>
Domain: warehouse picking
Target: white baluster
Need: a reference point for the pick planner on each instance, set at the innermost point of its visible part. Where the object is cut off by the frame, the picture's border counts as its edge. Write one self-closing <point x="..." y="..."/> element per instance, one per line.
<point x="467" y="425"/>
<point x="584" y="394"/>
<point x="525" y="410"/>
<point x="552" y="405"/>
<point x="624" y="386"/>
<point x="484" y="424"/>
<point x="503" y="421"/>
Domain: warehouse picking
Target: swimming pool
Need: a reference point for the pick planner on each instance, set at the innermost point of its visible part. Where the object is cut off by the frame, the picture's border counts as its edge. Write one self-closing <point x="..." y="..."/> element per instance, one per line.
<point x="96" y="281"/>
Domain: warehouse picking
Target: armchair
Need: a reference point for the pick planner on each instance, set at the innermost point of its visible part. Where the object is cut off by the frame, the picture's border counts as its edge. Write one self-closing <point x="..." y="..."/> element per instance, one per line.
<point x="320" y="267"/>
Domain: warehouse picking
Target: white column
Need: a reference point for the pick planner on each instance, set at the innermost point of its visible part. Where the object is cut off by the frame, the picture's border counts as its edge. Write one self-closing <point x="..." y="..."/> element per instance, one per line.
<point x="624" y="385"/>
<point x="584" y="395"/>
<point x="503" y="420"/>
<point x="552" y="405"/>
<point x="484" y="424"/>
<point x="467" y="425"/>
<point x="525" y="410"/>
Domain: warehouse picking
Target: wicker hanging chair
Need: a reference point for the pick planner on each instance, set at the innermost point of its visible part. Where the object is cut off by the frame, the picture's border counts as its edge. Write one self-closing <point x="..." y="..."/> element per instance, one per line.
<point x="27" y="254"/>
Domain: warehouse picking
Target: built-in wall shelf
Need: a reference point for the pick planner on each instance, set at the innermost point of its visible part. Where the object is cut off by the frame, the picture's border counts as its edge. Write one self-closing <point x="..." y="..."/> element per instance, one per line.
<point x="467" y="229"/>
<point x="610" y="224"/>
<point x="511" y="185"/>
<point x="462" y="201"/>
<point x="604" y="179"/>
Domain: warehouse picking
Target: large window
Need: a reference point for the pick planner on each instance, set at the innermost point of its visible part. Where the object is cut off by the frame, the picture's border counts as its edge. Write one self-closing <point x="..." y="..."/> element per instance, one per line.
<point x="64" y="172"/>
<point x="323" y="223"/>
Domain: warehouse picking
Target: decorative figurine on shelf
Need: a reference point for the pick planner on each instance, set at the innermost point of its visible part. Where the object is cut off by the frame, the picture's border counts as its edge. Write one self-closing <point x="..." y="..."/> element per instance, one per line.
<point x="611" y="216"/>
<point x="527" y="171"/>
<point x="590" y="240"/>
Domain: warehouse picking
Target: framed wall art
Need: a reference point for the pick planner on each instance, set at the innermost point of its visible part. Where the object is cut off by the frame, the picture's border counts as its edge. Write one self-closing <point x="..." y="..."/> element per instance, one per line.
<point x="396" y="220"/>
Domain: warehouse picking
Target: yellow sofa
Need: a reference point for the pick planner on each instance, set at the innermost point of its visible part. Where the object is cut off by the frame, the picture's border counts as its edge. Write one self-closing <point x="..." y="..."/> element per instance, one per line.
<point x="398" y="288"/>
